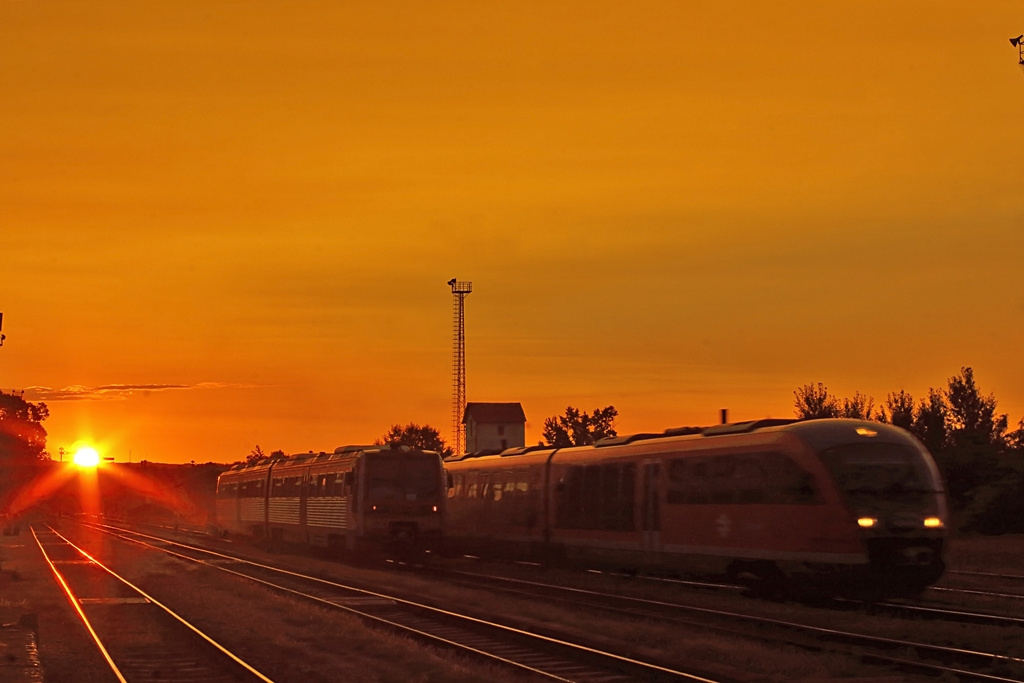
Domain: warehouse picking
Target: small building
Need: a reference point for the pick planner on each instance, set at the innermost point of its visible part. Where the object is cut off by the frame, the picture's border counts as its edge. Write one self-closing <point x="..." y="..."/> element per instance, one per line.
<point x="494" y="426"/>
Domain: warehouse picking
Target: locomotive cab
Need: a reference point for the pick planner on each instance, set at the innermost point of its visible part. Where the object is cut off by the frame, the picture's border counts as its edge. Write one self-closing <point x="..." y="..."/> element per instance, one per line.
<point x="401" y="499"/>
<point x="894" y="494"/>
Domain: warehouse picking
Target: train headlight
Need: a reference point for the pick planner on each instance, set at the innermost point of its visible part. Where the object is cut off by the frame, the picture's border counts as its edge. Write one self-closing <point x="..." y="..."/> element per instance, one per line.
<point x="866" y="522"/>
<point x="933" y="522"/>
<point x="435" y="508"/>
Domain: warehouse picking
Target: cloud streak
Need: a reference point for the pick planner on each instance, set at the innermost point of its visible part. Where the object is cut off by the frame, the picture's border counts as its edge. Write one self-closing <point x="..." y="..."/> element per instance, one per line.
<point x="107" y="392"/>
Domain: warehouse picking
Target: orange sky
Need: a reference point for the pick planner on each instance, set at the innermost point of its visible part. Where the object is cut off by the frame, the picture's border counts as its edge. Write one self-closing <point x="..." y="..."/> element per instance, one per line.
<point x="239" y="218"/>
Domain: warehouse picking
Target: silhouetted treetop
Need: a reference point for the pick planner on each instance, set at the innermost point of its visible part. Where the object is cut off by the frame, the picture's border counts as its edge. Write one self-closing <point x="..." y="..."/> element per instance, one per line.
<point x="22" y="437"/>
<point x="813" y="401"/>
<point x="972" y="417"/>
<point x="860" y="407"/>
<point x="898" y="410"/>
<point x="255" y="455"/>
<point x="575" y="428"/>
<point x="423" y="437"/>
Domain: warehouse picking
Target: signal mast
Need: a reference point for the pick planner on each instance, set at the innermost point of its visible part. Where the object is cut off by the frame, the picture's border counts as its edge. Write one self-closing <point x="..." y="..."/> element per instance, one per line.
<point x="460" y="290"/>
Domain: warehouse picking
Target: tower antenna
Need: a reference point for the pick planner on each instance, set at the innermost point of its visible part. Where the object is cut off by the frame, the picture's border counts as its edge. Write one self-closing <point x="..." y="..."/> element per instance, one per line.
<point x="460" y="290"/>
<point x="1018" y="43"/>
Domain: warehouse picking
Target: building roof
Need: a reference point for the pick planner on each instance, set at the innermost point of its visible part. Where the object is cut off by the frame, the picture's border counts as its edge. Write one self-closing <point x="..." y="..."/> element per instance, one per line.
<point x="494" y="413"/>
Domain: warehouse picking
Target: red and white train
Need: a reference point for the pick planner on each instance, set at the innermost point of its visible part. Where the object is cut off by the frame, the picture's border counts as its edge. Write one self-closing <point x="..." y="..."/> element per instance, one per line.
<point x="358" y="497"/>
<point x="844" y="506"/>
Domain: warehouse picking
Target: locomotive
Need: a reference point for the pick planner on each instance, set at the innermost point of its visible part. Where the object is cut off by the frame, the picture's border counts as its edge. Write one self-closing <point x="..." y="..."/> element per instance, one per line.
<point x="366" y="498"/>
<point x="831" y="505"/>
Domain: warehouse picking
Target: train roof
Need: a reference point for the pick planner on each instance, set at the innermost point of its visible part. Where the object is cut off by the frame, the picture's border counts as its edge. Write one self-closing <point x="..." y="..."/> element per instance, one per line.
<point x="819" y="433"/>
<point x="310" y="458"/>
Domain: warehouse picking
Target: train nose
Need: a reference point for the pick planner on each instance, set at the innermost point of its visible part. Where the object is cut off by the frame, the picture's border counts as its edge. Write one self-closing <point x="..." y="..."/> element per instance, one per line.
<point x="403" y="531"/>
<point x="905" y="522"/>
<point x="917" y="555"/>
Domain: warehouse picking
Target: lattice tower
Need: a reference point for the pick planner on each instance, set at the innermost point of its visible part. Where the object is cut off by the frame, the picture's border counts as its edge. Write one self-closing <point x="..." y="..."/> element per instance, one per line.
<point x="460" y="290"/>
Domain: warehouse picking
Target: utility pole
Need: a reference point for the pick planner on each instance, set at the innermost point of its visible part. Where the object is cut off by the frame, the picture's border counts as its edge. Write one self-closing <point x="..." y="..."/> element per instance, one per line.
<point x="2" y="336"/>
<point x="460" y="290"/>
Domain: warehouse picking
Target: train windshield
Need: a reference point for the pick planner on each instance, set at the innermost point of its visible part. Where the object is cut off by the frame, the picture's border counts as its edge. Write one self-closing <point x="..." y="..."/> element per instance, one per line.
<point x="402" y="477"/>
<point x="871" y="470"/>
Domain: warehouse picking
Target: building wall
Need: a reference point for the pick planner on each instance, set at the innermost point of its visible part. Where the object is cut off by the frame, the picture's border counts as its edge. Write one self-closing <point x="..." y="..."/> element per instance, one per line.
<point x="494" y="436"/>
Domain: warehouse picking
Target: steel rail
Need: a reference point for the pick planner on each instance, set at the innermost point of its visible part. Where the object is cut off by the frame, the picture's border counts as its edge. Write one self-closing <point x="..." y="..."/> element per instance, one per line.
<point x="78" y="609"/>
<point x="249" y="669"/>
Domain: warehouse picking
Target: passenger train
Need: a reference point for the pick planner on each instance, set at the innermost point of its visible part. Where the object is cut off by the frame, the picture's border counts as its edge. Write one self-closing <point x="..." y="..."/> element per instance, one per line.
<point x="356" y="498"/>
<point x="834" y="505"/>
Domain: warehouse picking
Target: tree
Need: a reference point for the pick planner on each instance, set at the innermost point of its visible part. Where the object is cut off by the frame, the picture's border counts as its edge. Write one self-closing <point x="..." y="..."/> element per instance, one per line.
<point x="574" y="428"/>
<point x="814" y="401"/>
<point x="424" y="438"/>
<point x="1015" y="439"/>
<point x="930" y="421"/>
<point x="860" y="407"/>
<point x="254" y="456"/>
<point x="900" y="409"/>
<point x="972" y="417"/>
<point x="22" y="437"/>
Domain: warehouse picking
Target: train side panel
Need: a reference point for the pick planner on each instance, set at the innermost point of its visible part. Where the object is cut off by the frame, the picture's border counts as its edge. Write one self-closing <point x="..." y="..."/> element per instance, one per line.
<point x="286" y="501"/>
<point x="330" y="517"/>
<point x="241" y="500"/>
<point x="498" y="508"/>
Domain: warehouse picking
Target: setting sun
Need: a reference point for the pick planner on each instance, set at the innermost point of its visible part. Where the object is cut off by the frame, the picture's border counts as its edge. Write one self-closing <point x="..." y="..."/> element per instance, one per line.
<point x="87" y="457"/>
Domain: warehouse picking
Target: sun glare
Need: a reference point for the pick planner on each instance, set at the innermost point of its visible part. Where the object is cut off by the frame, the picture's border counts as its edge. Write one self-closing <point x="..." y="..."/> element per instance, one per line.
<point x="87" y="457"/>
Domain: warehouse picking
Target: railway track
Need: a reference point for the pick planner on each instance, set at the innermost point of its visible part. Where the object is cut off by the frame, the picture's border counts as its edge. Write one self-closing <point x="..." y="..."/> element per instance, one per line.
<point x="963" y="663"/>
<point x="902" y="654"/>
<point x="912" y="609"/>
<point x="550" y="656"/>
<point x="140" y="638"/>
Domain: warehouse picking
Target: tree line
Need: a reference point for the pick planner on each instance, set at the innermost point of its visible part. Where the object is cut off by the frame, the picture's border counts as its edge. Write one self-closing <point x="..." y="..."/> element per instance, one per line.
<point x="981" y="459"/>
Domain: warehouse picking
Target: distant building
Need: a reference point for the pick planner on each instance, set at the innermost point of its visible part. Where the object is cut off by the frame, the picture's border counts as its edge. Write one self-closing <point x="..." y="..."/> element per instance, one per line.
<point x="494" y="426"/>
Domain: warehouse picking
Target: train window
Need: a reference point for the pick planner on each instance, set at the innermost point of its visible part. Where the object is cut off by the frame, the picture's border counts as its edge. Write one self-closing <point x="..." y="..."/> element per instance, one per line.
<point x="689" y="481"/>
<point x="522" y="487"/>
<point x="471" y="491"/>
<point x="597" y="497"/>
<point x="867" y="471"/>
<point x="496" y="490"/>
<point x="458" y="482"/>
<point x="786" y="482"/>
<point x="720" y="482"/>
<point x="752" y="478"/>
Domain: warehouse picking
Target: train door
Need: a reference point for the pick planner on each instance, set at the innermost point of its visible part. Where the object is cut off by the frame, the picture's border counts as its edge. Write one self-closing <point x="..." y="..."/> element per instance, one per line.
<point x="307" y="489"/>
<point x="650" y="505"/>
